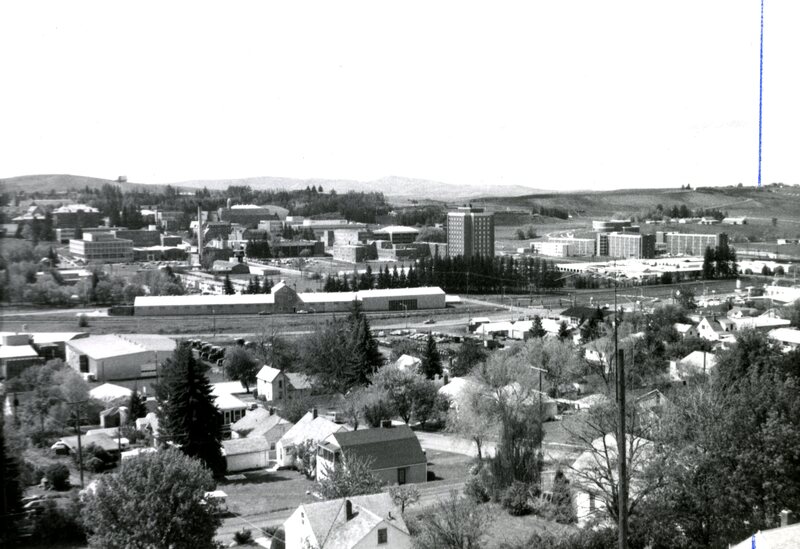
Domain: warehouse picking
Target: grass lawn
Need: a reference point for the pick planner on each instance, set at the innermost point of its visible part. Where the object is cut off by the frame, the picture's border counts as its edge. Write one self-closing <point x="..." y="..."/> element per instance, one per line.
<point x="504" y="528"/>
<point x="449" y="468"/>
<point x="264" y="492"/>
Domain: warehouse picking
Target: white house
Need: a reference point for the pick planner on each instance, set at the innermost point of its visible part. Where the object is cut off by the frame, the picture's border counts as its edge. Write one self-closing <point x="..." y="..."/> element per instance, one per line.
<point x="696" y="362"/>
<point x="232" y="409"/>
<point x="264" y="424"/>
<point x="408" y="362"/>
<point x="312" y="428"/>
<point x="277" y="386"/>
<point x="685" y="330"/>
<point x="593" y="473"/>
<point x="363" y="522"/>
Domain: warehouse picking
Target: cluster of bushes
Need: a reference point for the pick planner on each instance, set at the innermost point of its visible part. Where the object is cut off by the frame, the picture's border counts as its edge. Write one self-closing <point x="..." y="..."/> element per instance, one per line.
<point x="521" y="498"/>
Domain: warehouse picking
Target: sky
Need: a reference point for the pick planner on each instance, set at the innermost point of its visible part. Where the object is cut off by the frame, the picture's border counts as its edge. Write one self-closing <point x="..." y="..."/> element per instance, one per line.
<point x="566" y="95"/>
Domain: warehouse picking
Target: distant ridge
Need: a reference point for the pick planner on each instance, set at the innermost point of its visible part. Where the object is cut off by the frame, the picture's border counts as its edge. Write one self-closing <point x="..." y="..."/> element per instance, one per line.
<point x="391" y="186"/>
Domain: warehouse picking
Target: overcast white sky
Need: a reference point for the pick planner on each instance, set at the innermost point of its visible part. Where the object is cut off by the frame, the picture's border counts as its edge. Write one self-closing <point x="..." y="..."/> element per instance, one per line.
<point x="568" y="94"/>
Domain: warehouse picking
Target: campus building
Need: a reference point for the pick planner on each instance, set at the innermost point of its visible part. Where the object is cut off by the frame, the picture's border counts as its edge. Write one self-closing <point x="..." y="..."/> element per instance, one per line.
<point x="102" y="247"/>
<point x="470" y="232"/>
<point x="690" y="244"/>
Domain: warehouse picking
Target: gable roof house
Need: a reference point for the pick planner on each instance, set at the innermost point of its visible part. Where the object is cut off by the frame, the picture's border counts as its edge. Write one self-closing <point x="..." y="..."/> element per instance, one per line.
<point x="264" y="424"/>
<point x="394" y="453"/>
<point x="787" y="338"/>
<point x="346" y="523"/>
<point x="311" y="427"/>
<point x="685" y="330"/>
<point x="277" y="386"/>
<point x="594" y="471"/>
<point x="696" y="362"/>
<point x="716" y="330"/>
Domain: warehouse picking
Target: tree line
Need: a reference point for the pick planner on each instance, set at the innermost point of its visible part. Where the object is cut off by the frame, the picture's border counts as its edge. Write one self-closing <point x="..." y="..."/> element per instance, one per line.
<point x="458" y="275"/>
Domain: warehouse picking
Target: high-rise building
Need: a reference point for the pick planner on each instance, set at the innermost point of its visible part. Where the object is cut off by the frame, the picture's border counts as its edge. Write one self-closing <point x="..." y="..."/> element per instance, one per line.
<point x="470" y="233"/>
<point x="631" y="245"/>
<point x="692" y="244"/>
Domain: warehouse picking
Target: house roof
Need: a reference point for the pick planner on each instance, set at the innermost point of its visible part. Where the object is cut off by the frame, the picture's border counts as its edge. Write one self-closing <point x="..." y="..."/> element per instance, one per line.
<point x="391" y="229"/>
<point x="210" y="300"/>
<point x="268" y="374"/>
<point x="579" y="312"/>
<point x="299" y="381"/>
<point x="17" y="351"/>
<point x="228" y="402"/>
<point x="310" y="428"/>
<point x="595" y="458"/>
<point x="332" y="530"/>
<point x="111" y="345"/>
<point x="386" y="447"/>
<point x="774" y="538"/>
<point x="696" y="359"/>
<point x="407" y="362"/>
<point x="238" y="446"/>
<point x="102" y="440"/>
<point x="109" y="391"/>
<point x="786" y="335"/>
<point x="457" y="387"/>
<point x="41" y="338"/>
<point x="227" y="388"/>
<point x="682" y="328"/>
<point x="259" y="422"/>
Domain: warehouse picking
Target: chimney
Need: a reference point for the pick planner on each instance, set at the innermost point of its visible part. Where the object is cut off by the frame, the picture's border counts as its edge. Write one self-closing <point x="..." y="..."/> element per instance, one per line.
<point x="314" y="416"/>
<point x="787" y="518"/>
<point x="271" y="411"/>
<point x="348" y="509"/>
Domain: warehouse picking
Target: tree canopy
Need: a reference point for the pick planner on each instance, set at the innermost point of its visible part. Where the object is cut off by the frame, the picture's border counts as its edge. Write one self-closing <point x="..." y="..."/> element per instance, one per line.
<point x="156" y="500"/>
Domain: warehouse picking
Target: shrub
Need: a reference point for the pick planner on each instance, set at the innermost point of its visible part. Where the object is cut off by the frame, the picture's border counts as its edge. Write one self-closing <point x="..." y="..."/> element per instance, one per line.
<point x="516" y="499"/>
<point x="479" y="486"/>
<point x="58" y="523"/>
<point x="57" y="475"/>
<point x="277" y="534"/>
<point x="30" y="473"/>
<point x="243" y="536"/>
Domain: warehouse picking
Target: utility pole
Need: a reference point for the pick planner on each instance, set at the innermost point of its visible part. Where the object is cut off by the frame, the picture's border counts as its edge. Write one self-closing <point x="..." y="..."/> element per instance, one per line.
<point x="78" y="429"/>
<point x="622" y="488"/>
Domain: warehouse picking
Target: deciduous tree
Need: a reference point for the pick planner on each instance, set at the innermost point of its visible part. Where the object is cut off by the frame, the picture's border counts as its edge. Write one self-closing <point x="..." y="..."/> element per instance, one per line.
<point x="156" y="500"/>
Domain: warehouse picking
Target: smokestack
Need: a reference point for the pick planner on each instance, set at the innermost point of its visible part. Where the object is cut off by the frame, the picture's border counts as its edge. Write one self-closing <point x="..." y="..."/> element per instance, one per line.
<point x="348" y="509"/>
<point x="313" y="413"/>
<point x="228" y="203"/>
<point x="787" y="518"/>
<point x="271" y="411"/>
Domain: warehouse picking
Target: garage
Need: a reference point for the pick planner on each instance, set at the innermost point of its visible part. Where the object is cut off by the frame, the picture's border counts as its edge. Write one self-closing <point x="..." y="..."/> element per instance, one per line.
<point x="244" y="454"/>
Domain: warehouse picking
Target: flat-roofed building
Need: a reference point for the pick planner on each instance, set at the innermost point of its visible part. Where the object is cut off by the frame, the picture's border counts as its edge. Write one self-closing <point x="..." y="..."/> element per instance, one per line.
<point x="692" y="244"/>
<point x="284" y="299"/>
<point x="637" y="246"/>
<point x="397" y="234"/>
<point x="101" y="247"/>
<point x="113" y="357"/>
<point x="470" y="233"/>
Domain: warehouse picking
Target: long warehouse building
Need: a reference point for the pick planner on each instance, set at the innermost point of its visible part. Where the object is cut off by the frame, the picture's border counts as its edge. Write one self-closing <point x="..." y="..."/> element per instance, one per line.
<point x="284" y="299"/>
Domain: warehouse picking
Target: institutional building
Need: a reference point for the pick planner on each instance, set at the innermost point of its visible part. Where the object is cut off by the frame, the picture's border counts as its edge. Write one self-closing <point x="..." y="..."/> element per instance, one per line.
<point x="565" y="247"/>
<point x="630" y="245"/>
<point x="690" y="244"/>
<point x="102" y="247"/>
<point x="470" y="232"/>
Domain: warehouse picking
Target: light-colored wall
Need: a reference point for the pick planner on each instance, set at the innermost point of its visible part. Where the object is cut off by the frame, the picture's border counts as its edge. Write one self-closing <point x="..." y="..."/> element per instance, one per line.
<point x="114" y="368"/>
<point x="297" y="531"/>
<point x="395" y="539"/>
<point x="244" y="462"/>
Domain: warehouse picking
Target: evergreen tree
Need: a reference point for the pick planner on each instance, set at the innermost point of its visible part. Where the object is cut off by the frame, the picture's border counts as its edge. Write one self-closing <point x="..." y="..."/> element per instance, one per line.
<point x="250" y="287"/>
<point x="536" y="328"/>
<point x="364" y="356"/>
<point x="227" y="287"/>
<point x="395" y="283"/>
<point x="431" y="359"/>
<point x="267" y="287"/>
<point x="136" y="406"/>
<point x="11" y="496"/>
<point x="256" y="285"/>
<point x="187" y="414"/>
<point x="563" y="330"/>
<point x="708" y="263"/>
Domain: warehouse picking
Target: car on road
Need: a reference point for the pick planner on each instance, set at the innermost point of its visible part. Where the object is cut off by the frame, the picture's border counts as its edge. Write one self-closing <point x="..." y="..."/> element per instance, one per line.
<point x="429" y="321"/>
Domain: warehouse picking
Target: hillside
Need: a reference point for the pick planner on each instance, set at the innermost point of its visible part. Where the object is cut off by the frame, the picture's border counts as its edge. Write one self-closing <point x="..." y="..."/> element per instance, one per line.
<point x="737" y="201"/>
<point x="392" y="186"/>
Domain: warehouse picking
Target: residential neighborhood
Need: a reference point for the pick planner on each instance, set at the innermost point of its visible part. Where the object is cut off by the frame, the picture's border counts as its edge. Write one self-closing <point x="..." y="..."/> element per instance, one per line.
<point x="400" y="276"/>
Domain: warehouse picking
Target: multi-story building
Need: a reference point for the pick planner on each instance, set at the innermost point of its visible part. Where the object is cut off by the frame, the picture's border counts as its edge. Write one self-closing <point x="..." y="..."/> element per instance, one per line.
<point x="638" y="246"/>
<point x="470" y="233"/>
<point x="568" y="246"/>
<point x="612" y="225"/>
<point x="691" y="244"/>
<point x="102" y="248"/>
<point x="76" y="215"/>
<point x="397" y="234"/>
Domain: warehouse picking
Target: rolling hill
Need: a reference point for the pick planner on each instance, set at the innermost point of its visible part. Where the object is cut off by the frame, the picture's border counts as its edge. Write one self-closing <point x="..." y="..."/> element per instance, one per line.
<point x="392" y="186"/>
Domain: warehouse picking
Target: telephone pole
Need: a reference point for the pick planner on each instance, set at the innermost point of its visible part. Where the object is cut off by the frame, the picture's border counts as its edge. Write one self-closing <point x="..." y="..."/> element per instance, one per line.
<point x="622" y="488"/>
